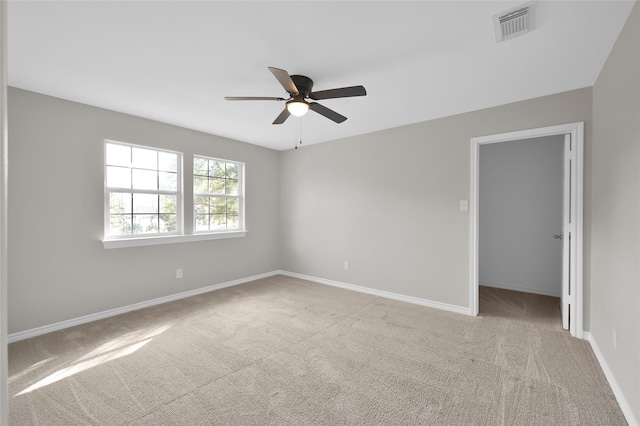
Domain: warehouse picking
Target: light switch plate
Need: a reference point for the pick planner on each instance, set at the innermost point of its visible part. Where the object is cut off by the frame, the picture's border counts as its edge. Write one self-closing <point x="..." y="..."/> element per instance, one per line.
<point x="464" y="205"/>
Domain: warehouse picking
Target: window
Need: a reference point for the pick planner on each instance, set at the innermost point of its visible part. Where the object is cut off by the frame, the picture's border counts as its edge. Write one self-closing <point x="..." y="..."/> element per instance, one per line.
<point x="143" y="197"/>
<point x="142" y="191"/>
<point x="217" y="195"/>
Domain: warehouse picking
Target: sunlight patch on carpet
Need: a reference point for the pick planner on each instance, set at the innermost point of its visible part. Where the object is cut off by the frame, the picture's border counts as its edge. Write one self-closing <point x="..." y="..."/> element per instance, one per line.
<point x="112" y="350"/>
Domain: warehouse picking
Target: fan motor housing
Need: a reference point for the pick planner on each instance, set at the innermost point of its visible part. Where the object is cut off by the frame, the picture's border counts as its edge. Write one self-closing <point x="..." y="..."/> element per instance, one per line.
<point x="303" y="83"/>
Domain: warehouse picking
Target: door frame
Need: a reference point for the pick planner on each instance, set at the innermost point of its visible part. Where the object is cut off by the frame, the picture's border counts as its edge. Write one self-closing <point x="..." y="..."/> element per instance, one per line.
<point x="574" y="174"/>
<point x="4" y="141"/>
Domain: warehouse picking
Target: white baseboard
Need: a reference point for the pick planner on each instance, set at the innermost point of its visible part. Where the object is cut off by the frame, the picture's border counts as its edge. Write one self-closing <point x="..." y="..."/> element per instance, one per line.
<point x="382" y="293"/>
<point x="14" y="337"/>
<point x="522" y="289"/>
<point x="622" y="401"/>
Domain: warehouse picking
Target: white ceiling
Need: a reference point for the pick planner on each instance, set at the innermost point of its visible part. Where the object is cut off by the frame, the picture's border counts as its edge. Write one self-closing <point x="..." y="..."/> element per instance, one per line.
<point x="175" y="61"/>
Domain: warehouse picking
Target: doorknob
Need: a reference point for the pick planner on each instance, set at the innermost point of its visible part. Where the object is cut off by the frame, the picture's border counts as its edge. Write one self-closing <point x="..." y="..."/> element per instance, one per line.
<point x="558" y="237"/>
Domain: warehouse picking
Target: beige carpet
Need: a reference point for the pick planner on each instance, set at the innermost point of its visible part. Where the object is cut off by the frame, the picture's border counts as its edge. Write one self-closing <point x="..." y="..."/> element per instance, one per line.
<point x="290" y="352"/>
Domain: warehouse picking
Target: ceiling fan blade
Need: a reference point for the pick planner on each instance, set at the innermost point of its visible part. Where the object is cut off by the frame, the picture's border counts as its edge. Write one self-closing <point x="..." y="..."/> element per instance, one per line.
<point x="253" y="98"/>
<point x="285" y="80"/>
<point x="329" y="113"/>
<point x="343" y="92"/>
<point x="282" y="117"/>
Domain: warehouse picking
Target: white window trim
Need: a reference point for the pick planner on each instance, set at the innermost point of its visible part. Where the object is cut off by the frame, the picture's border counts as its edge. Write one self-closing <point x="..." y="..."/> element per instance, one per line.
<point x="141" y="240"/>
<point x="169" y="239"/>
<point x="179" y="202"/>
<point x="240" y="198"/>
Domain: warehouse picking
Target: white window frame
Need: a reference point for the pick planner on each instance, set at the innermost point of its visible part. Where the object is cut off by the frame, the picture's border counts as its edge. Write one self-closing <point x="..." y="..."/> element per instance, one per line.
<point x="178" y="236"/>
<point x="112" y="241"/>
<point x="236" y="232"/>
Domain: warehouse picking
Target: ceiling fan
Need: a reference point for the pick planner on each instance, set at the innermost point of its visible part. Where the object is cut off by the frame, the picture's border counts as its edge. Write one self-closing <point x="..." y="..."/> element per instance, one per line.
<point x="299" y="89"/>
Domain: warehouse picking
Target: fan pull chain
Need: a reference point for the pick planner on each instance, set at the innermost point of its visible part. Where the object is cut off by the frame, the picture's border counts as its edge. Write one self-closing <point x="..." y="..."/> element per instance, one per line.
<point x="299" y="131"/>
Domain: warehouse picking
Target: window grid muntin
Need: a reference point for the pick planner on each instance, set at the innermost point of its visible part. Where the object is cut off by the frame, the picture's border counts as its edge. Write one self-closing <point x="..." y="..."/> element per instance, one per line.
<point x="175" y="226"/>
<point x="200" y="218"/>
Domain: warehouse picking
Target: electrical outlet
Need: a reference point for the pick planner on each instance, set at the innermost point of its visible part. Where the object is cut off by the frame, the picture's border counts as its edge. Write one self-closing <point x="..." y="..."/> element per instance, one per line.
<point x="179" y="273"/>
<point x="346" y="266"/>
<point x="614" y="339"/>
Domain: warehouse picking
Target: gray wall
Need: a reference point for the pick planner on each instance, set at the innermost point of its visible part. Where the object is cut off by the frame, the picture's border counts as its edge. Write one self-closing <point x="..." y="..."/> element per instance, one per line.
<point x="59" y="269"/>
<point x="520" y="210"/>
<point x="615" y="254"/>
<point x="388" y="202"/>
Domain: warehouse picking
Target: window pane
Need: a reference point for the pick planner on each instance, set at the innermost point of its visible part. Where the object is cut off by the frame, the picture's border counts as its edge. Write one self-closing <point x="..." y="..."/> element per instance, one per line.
<point x="119" y="203"/>
<point x="216" y="168"/>
<point x="233" y="221"/>
<point x="168" y="204"/>
<point x="216" y="185"/>
<point x="200" y="185"/>
<point x="167" y="162"/>
<point x="232" y="206"/>
<point x="168" y="223"/>
<point x="144" y="179"/>
<point x="168" y="181"/>
<point x="218" y="221"/>
<point x="144" y="158"/>
<point x="202" y="222"/>
<point x="232" y="171"/>
<point x="218" y="205"/>
<point x="145" y="224"/>
<point x="231" y="187"/>
<point x="200" y="166"/>
<point x="118" y="177"/>
<point x="119" y="224"/>
<point x="118" y="155"/>
<point x="145" y="203"/>
<point x="201" y="205"/>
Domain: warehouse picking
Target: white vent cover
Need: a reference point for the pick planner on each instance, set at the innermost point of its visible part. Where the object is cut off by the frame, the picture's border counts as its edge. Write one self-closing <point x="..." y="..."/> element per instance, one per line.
<point x="514" y="22"/>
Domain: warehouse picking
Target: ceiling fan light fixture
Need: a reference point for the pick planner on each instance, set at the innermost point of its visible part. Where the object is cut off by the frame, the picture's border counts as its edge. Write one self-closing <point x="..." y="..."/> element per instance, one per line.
<point x="299" y="88"/>
<point x="297" y="108"/>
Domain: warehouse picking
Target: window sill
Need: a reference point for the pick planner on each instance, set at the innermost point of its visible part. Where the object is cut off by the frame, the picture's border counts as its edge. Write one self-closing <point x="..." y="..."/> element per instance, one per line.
<point x="169" y="239"/>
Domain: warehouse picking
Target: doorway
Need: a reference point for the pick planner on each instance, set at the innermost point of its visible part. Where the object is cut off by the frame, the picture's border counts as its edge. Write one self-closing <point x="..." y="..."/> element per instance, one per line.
<point x="520" y="230"/>
<point x="568" y="241"/>
<point x="520" y="199"/>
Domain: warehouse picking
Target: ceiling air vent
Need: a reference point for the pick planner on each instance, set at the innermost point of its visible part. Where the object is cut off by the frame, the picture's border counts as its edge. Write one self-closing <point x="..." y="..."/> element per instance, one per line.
<point x="514" y="22"/>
